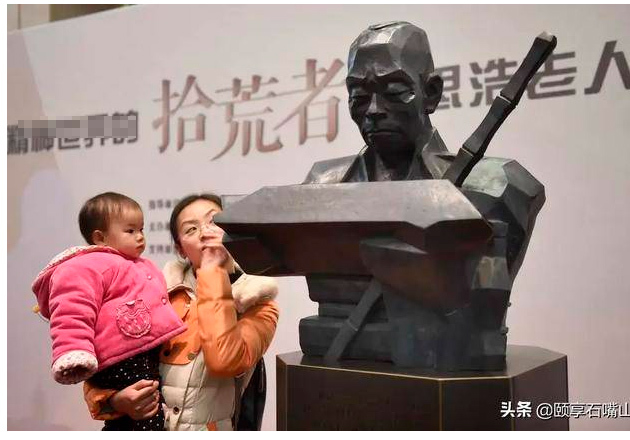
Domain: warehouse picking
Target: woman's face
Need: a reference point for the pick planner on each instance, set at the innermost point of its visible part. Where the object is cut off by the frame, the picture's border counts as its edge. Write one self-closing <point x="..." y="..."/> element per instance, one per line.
<point x="193" y="229"/>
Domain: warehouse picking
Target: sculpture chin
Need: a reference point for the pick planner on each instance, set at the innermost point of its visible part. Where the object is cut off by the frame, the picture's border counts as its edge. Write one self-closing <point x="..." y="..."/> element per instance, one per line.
<point x="388" y="143"/>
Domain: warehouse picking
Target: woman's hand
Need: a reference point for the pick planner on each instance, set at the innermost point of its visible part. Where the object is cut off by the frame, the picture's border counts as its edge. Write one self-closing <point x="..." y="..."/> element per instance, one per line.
<point x="213" y="255"/>
<point x="139" y="401"/>
<point x="212" y="251"/>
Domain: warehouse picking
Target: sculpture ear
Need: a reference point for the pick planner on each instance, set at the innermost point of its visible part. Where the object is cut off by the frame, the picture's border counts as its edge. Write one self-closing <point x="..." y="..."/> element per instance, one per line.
<point x="433" y="92"/>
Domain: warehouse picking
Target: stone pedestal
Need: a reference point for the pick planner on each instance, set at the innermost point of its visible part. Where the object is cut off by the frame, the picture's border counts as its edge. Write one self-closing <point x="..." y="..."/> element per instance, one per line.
<point x="360" y="395"/>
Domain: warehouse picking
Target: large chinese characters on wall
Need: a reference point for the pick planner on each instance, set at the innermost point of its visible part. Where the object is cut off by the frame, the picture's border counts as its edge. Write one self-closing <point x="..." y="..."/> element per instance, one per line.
<point x="247" y="129"/>
<point x="188" y="114"/>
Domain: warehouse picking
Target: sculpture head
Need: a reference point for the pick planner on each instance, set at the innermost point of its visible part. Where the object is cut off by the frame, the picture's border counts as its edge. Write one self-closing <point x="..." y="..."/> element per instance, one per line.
<point x="392" y="87"/>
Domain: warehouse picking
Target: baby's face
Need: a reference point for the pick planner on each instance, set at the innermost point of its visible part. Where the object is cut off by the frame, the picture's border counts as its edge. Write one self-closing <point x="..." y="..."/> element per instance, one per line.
<point x="125" y="233"/>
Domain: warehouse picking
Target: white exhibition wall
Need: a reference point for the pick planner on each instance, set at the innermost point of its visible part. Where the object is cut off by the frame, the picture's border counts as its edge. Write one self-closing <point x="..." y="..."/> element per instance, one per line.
<point x="248" y="67"/>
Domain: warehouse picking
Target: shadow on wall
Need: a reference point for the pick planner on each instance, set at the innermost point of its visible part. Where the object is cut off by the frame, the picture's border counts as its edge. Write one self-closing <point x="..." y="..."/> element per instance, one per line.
<point x="38" y="421"/>
<point x="34" y="425"/>
<point x="48" y="225"/>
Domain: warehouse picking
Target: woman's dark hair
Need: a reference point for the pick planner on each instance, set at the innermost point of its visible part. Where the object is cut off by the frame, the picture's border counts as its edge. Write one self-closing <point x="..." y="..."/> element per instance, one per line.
<point x="97" y="212"/>
<point x="183" y="203"/>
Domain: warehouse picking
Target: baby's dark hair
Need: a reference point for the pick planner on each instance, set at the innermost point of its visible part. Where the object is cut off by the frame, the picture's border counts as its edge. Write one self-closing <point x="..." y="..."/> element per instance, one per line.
<point x="183" y="203"/>
<point x="97" y="212"/>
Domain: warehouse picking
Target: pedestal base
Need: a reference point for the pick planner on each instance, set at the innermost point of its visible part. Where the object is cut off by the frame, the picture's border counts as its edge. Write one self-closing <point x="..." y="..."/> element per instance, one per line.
<point x="380" y="396"/>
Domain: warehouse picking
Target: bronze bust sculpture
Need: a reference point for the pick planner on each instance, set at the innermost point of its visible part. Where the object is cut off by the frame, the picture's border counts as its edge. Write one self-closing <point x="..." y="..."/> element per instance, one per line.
<point x="410" y="250"/>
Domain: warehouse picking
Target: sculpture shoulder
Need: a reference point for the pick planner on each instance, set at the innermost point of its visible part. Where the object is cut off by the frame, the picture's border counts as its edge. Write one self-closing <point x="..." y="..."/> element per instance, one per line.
<point x="505" y="192"/>
<point x="502" y="189"/>
<point x="331" y="170"/>
<point x="495" y="175"/>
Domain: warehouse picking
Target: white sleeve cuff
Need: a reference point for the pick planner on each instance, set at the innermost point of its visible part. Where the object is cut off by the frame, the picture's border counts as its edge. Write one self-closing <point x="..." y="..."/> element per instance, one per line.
<point x="74" y="366"/>
<point x="250" y="290"/>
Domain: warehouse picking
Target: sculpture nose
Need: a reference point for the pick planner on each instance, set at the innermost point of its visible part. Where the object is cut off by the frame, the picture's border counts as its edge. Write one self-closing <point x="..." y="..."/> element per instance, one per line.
<point x="375" y="109"/>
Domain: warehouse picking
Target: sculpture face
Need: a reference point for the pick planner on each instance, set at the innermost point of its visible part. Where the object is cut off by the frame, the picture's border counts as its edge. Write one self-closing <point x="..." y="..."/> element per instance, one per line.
<point x="387" y="95"/>
<point x="385" y="102"/>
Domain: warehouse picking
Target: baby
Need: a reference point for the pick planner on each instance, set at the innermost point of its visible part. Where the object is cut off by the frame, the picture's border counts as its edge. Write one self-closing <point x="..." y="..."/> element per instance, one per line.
<point x="108" y="307"/>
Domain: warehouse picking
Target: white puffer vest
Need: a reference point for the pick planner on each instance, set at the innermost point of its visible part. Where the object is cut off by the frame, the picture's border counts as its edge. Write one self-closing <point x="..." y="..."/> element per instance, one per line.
<point x="193" y="398"/>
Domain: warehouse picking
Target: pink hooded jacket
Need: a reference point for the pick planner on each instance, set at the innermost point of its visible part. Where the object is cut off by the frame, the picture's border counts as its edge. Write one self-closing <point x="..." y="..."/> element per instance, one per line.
<point x="103" y="307"/>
